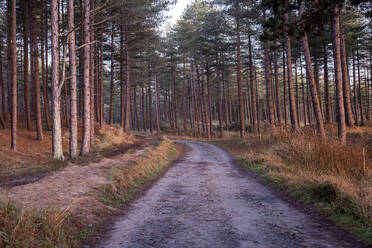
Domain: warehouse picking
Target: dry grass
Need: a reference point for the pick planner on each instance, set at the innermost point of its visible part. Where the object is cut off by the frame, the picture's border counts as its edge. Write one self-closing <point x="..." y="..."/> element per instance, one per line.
<point x="126" y="180"/>
<point x="81" y="198"/>
<point x="337" y="177"/>
<point x="24" y="228"/>
<point x="35" y="156"/>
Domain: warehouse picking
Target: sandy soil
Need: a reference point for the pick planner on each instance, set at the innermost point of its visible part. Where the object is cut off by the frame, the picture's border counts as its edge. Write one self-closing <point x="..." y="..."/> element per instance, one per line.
<point x="204" y="200"/>
<point x="67" y="189"/>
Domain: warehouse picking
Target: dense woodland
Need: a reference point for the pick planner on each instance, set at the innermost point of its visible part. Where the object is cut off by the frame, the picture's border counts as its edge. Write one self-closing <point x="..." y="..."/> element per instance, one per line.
<point x="226" y="66"/>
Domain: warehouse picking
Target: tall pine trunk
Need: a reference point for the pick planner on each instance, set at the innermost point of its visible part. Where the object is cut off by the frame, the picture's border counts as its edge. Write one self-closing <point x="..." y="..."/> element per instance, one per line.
<point x="238" y="72"/>
<point x="312" y="84"/>
<point x="56" y="92"/>
<point x="269" y="90"/>
<point x="13" y="73"/>
<point x="26" y="77"/>
<point x="111" y="115"/>
<point x="35" y="78"/>
<point x="73" y="88"/>
<point x="338" y="74"/>
<point x="85" y="144"/>
<point x="252" y="90"/>
<point x="345" y="74"/>
<point x="292" y="100"/>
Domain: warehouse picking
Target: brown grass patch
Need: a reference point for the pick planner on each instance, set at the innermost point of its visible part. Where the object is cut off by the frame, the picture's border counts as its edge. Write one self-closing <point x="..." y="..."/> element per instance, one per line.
<point x="64" y="208"/>
<point x="336" y="175"/>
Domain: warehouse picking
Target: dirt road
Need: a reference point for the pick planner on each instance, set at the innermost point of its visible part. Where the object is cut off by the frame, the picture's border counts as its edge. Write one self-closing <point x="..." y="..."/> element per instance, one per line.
<point x="204" y="200"/>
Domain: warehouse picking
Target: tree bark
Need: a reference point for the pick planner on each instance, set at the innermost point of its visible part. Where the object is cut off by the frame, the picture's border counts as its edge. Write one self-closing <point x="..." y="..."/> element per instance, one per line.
<point x="360" y="96"/>
<point x="252" y="91"/>
<point x="313" y="86"/>
<point x="73" y="88"/>
<point x="338" y="74"/>
<point x="122" y="83"/>
<point x="157" y="105"/>
<point x="44" y="66"/>
<point x="56" y="106"/>
<point x="13" y="73"/>
<point x="356" y="108"/>
<point x="111" y="116"/>
<point x="238" y="72"/>
<point x="327" y="101"/>
<point x="3" y="108"/>
<point x="292" y="101"/>
<point x="150" y="104"/>
<point x="269" y="90"/>
<point x="277" y="89"/>
<point x="26" y="81"/>
<point x="85" y="144"/>
<point x="143" y="108"/>
<point x="127" y="94"/>
<point x="35" y="78"/>
<point x="345" y="75"/>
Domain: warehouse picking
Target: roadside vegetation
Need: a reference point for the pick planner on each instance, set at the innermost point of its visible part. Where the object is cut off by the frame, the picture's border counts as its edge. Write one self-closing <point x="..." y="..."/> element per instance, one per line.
<point x="335" y="178"/>
<point x="50" y="225"/>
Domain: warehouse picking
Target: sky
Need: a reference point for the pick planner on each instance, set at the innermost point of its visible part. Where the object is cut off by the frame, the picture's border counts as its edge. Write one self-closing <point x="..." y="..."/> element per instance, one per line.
<point x="175" y="12"/>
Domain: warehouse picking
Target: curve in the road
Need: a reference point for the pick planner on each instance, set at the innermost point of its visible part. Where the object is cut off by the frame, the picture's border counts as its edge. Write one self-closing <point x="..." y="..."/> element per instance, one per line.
<point x="206" y="201"/>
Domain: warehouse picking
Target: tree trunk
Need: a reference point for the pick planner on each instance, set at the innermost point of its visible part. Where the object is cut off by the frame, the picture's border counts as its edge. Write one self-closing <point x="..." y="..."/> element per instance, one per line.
<point x="85" y="144"/>
<point x="26" y="65"/>
<point x="356" y="108"/>
<point x="210" y="103"/>
<point x="73" y="90"/>
<point x="220" y="99"/>
<point x="277" y="89"/>
<point x="101" y="90"/>
<point x="56" y="106"/>
<point x="303" y="92"/>
<point x="238" y="72"/>
<point x="285" y="90"/>
<point x="327" y="101"/>
<point x="111" y="116"/>
<point x="157" y="105"/>
<point x="268" y="79"/>
<point x="360" y="96"/>
<point x="13" y="73"/>
<point x="2" y="115"/>
<point x="150" y="104"/>
<point x="143" y="108"/>
<point x="252" y="91"/>
<point x="35" y="78"/>
<point x="345" y="75"/>
<point x="44" y="66"/>
<point x="127" y="110"/>
<point x="292" y="101"/>
<point x="338" y="74"/>
<point x="92" y="74"/>
<point x="184" y="97"/>
<point x="122" y="84"/>
<point x="312" y="83"/>
<point x="175" y="100"/>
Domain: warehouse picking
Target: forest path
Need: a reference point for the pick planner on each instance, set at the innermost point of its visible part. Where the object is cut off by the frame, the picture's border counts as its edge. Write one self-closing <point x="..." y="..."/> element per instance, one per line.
<point x="204" y="200"/>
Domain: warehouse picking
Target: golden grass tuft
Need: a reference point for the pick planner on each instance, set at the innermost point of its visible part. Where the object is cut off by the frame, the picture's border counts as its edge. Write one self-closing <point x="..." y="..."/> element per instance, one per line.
<point x="20" y="227"/>
<point x="130" y="178"/>
<point x="110" y="136"/>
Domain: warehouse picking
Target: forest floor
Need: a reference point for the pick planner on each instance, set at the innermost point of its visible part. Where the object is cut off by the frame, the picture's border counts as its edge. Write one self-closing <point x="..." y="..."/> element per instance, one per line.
<point x="44" y="203"/>
<point x="335" y="179"/>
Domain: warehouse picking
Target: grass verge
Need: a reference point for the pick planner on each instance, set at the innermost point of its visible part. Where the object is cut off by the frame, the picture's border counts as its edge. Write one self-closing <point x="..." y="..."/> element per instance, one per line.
<point x="21" y="227"/>
<point x="334" y="178"/>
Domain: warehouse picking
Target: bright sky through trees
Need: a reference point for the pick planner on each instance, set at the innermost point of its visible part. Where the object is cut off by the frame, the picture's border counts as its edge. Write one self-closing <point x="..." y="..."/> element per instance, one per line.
<point x="175" y="12"/>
